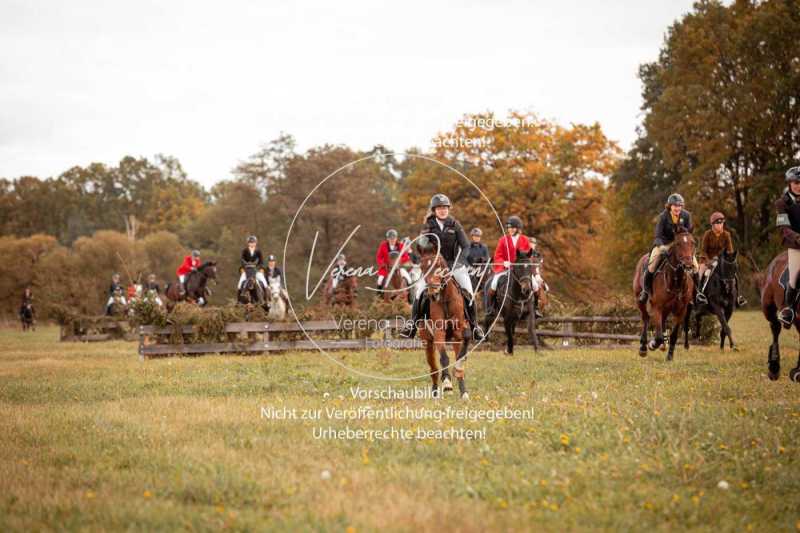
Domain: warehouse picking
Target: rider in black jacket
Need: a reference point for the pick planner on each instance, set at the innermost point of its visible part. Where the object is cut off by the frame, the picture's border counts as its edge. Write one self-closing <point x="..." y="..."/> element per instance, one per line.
<point x="441" y="228"/>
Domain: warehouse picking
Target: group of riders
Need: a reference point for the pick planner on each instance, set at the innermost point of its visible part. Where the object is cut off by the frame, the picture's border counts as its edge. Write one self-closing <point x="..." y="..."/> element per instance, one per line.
<point x="465" y="255"/>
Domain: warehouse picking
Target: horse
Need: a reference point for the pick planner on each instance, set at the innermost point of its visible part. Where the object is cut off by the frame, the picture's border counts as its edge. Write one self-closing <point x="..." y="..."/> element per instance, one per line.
<point x="396" y="286"/>
<point x="673" y="289"/>
<point x="277" y="305"/>
<point x="344" y="294"/>
<point x="445" y="324"/>
<point x="197" y="290"/>
<point x="514" y="294"/>
<point x="721" y="293"/>
<point x="251" y="291"/>
<point x="771" y="302"/>
<point x="26" y="316"/>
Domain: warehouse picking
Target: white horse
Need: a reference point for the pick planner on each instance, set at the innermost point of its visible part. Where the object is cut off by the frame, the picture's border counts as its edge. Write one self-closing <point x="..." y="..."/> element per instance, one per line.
<point x="277" y="304"/>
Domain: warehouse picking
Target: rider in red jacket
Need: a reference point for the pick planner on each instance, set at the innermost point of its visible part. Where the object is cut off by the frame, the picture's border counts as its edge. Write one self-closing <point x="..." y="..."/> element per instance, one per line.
<point x="506" y="253"/>
<point x="386" y="262"/>
<point x="190" y="264"/>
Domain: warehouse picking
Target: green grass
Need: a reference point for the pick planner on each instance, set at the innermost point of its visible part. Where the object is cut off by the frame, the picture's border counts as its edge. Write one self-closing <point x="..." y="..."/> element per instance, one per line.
<point x="93" y="439"/>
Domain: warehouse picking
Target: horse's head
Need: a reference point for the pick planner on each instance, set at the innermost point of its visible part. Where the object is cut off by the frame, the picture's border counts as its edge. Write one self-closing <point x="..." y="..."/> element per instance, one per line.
<point x="683" y="249"/>
<point x="209" y="269"/>
<point x="522" y="272"/>
<point x="436" y="274"/>
<point x="728" y="265"/>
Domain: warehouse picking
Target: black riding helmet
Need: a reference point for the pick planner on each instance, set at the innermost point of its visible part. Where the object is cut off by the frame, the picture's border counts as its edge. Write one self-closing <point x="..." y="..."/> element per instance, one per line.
<point x="476" y="231"/>
<point x="793" y="174"/>
<point x="675" y="199"/>
<point x="391" y="234"/>
<point x="440" y="200"/>
<point x="515" y="222"/>
<point x="271" y="258"/>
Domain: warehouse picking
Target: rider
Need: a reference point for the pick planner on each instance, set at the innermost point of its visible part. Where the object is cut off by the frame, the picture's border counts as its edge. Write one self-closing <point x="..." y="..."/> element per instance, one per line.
<point x="190" y="264"/>
<point x="273" y="272"/>
<point x="478" y="253"/>
<point x="151" y="287"/>
<point x="715" y="240"/>
<point x="442" y="229"/>
<point x="385" y="261"/>
<point x="112" y="290"/>
<point x="27" y="299"/>
<point x="504" y="254"/>
<point x="788" y="208"/>
<point x="251" y="255"/>
<point x="670" y="221"/>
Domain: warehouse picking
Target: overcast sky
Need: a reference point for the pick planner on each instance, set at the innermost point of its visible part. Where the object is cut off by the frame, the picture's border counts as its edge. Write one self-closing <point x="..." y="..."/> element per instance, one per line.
<point x="208" y="82"/>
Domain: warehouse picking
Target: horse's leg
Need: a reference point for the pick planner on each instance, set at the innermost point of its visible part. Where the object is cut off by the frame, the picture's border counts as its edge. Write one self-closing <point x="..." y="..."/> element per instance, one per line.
<point x="658" y="336"/>
<point x="459" y="369"/>
<point x="725" y="330"/>
<point x="774" y="358"/>
<point x="686" y="321"/>
<point x="794" y="374"/>
<point x="444" y="362"/>
<point x="430" y="355"/>
<point x="508" y="324"/>
<point x="673" y="339"/>
<point x="645" y="326"/>
<point x="728" y="314"/>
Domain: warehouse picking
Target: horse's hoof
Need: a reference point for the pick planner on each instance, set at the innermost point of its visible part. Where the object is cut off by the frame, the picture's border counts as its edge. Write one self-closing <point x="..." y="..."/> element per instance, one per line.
<point x="669" y="358"/>
<point x="507" y="352"/>
<point x="735" y="348"/>
<point x="436" y="393"/>
<point x="663" y="347"/>
<point x="642" y="351"/>
<point x="652" y="346"/>
<point x="465" y="396"/>
<point x="794" y="374"/>
<point x="774" y="372"/>
<point x="447" y="385"/>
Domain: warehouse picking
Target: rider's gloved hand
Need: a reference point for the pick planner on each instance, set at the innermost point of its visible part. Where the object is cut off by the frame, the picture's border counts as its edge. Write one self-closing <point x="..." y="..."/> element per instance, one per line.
<point x="506" y="264"/>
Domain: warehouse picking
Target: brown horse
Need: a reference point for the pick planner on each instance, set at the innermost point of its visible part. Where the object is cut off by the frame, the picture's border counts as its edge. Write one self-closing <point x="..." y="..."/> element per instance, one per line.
<point x="344" y="295"/>
<point x="445" y="324"/>
<point x="673" y="289"/>
<point x="771" y="302"/>
<point x="196" y="286"/>
<point x="396" y="287"/>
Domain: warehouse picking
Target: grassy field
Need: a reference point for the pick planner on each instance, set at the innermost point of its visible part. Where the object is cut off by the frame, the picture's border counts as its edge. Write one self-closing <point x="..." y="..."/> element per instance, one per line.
<point x="93" y="439"/>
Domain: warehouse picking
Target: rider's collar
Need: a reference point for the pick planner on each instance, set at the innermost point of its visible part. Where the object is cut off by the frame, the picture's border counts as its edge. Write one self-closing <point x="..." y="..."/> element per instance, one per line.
<point x="791" y="196"/>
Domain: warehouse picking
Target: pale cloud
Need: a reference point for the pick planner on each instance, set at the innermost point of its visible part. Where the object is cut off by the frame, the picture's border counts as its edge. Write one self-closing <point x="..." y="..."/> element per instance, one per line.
<point x="209" y="82"/>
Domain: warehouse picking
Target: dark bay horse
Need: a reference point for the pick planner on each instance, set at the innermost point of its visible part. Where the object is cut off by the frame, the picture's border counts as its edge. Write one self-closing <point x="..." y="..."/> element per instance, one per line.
<point x="27" y="316"/>
<point x="721" y="292"/>
<point x="673" y="289"/>
<point x="196" y="286"/>
<point x="445" y="324"/>
<point x="771" y="302"/>
<point x="345" y="293"/>
<point x="396" y="286"/>
<point x="514" y="293"/>
<point x="252" y="292"/>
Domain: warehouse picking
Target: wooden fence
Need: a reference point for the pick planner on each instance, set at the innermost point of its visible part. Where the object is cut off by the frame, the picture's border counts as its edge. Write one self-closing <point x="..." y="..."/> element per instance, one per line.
<point x="265" y="337"/>
<point x="260" y="337"/>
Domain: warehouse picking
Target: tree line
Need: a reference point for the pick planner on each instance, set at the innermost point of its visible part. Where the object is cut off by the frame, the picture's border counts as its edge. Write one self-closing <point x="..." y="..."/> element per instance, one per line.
<point x="721" y="123"/>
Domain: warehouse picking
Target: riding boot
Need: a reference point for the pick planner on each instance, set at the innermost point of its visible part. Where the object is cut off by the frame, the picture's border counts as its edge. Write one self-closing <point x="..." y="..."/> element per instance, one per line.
<point x="182" y="287"/>
<point x="379" y="291"/>
<point x="786" y="316"/>
<point x="477" y="332"/>
<point x="648" y="287"/>
<point x="410" y="328"/>
<point x="741" y="301"/>
<point x="701" y="287"/>
<point x="536" y="311"/>
<point x="700" y="297"/>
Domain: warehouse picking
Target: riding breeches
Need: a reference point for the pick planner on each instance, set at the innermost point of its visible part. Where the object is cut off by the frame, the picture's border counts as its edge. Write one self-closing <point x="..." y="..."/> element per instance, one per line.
<point x="536" y="280"/>
<point x="460" y="274"/>
<point x="794" y="266"/>
<point x="111" y="301"/>
<point x="652" y="263"/>
<point x="259" y="277"/>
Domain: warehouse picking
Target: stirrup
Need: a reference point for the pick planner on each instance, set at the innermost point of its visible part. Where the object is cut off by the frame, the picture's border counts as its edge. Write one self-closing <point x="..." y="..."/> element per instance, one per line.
<point x="701" y="298"/>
